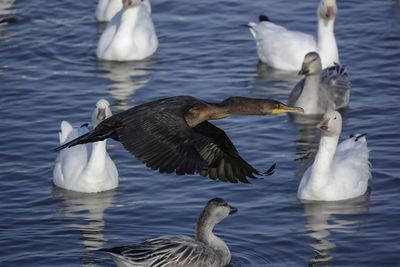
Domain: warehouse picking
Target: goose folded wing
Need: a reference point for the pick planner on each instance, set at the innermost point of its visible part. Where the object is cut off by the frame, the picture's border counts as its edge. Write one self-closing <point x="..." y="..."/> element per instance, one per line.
<point x="224" y="161"/>
<point x="181" y="250"/>
<point x="336" y="81"/>
<point x="167" y="250"/>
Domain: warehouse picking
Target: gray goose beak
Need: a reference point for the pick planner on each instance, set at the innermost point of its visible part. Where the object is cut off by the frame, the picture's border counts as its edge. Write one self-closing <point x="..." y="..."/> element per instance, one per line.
<point x="101" y="114"/>
<point x="232" y="210"/>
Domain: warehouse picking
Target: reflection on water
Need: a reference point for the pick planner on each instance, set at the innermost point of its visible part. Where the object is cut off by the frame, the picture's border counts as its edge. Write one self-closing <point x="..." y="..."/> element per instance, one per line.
<point x="6" y="16"/>
<point x="48" y="69"/>
<point x="5" y="5"/>
<point x="127" y="78"/>
<point x="279" y="81"/>
<point x="90" y="208"/>
<point x="308" y="140"/>
<point x="323" y="221"/>
<point x="266" y="73"/>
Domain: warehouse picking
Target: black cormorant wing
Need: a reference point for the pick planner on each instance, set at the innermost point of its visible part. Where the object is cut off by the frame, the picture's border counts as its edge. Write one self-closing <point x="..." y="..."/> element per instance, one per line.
<point x="224" y="160"/>
<point x="161" y="138"/>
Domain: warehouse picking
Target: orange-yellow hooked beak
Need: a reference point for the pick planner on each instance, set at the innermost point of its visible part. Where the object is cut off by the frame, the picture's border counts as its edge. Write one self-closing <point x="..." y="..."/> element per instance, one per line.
<point x="282" y="108"/>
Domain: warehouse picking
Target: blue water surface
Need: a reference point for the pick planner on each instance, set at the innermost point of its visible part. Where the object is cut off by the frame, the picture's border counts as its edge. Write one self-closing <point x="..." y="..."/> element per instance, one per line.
<point x="49" y="72"/>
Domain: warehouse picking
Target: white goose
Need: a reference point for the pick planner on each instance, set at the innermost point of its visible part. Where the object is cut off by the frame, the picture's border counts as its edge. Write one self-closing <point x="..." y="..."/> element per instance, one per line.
<point x="130" y="35"/>
<point x="82" y="170"/>
<point x="182" y="251"/>
<point x="321" y="89"/>
<point x="285" y="50"/>
<point x="106" y="9"/>
<point x="338" y="172"/>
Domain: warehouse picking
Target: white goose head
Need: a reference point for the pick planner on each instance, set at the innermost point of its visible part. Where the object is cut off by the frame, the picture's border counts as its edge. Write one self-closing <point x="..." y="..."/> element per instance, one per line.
<point x="311" y="64"/>
<point x="331" y="124"/>
<point x="101" y="112"/>
<point x="327" y="10"/>
<point x="215" y="211"/>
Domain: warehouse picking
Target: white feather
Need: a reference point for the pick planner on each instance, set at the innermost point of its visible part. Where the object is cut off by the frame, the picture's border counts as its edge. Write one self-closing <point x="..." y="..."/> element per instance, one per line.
<point x="284" y="49"/>
<point x="338" y="172"/>
<point x="130" y="35"/>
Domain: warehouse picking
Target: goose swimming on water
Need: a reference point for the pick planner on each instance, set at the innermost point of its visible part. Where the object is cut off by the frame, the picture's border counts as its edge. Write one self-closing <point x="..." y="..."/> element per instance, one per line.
<point x="285" y="50"/>
<point x="321" y="90"/>
<point x="85" y="168"/>
<point x="130" y="35"/>
<point x="182" y="251"/>
<point x="174" y="135"/>
<point x="339" y="171"/>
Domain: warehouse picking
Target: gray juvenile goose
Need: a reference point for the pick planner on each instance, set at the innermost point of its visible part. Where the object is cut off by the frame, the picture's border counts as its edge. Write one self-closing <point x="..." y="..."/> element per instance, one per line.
<point x="182" y="251"/>
<point x="321" y="89"/>
<point x="174" y="135"/>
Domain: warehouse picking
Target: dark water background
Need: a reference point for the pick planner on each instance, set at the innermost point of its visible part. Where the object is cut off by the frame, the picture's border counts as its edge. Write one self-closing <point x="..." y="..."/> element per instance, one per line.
<point x="48" y="72"/>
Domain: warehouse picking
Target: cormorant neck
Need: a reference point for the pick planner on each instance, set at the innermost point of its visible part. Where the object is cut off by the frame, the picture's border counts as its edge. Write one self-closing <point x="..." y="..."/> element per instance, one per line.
<point x="203" y="111"/>
<point x="239" y="105"/>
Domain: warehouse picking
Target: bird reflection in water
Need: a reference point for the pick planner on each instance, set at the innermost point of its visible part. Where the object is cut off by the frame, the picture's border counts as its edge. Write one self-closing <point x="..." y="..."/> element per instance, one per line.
<point x="86" y="211"/>
<point x="267" y="73"/>
<point x="7" y="16"/>
<point x="324" y="218"/>
<point x="126" y="78"/>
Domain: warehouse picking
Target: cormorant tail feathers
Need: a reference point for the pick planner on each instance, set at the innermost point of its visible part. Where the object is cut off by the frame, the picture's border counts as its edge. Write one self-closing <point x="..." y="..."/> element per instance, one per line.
<point x="97" y="134"/>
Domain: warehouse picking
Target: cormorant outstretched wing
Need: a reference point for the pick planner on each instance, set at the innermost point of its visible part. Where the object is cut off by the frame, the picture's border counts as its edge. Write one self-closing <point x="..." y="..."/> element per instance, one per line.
<point x="224" y="160"/>
<point x="157" y="134"/>
<point x="164" y="142"/>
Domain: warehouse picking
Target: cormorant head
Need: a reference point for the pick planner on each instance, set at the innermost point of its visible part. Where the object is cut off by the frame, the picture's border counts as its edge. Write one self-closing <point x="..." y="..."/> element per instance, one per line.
<point x="275" y="107"/>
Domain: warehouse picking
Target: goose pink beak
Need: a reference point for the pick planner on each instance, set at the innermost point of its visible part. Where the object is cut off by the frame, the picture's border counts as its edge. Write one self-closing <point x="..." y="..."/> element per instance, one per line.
<point x="323" y="124"/>
<point x="101" y="114"/>
<point x="330" y="12"/>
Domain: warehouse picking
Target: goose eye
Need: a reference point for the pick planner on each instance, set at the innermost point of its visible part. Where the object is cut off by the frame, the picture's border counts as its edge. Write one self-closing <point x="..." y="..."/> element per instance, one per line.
<point x="334" y="118"/>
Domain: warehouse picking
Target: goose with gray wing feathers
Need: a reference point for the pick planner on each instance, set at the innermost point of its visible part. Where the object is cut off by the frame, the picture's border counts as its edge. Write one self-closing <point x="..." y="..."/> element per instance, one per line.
<point x="174" y="135"/>
<point x="320" y="90"/>
<point x="182" y="251"/>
